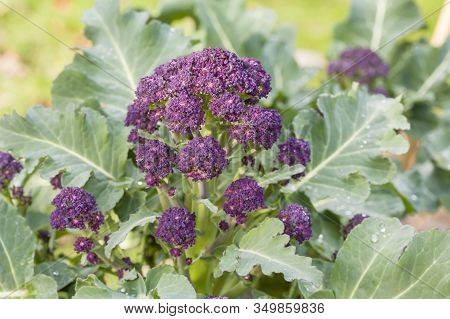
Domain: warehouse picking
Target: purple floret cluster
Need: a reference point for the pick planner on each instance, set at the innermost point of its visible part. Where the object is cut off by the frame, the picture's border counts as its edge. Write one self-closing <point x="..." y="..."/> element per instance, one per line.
<point x="241" y="197"/>
<point x="9" y="167"/>
<point x="259" y="126"/>
<point x="202" y="159"/>
<point x="156" y="159"/>
<point x="83" y="245"/>
<point x="177" y="228"/>
<point x="294" y="151"/>
<point x="352" y="223"/>
<point x="75" y="208"/>
<point x="297" y="222"/>
<point x="177" y="91"/>
<point x="359" y="64"/>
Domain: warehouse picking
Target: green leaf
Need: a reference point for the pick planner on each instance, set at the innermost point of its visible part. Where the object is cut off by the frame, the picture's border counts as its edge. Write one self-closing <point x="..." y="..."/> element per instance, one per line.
<point x="130" y="203"/>
<point x="77" y="141"/>
<point x="381" y="259"/>
<point x="125" y="48"/>
<point x="99" y="293"/>
<point x="17" y="245"/>
<point x="58" y="270"/>
<point x="139" y="219"/>
<point x="431" y="68"/>
<point x="207" y="203"/>
<point x="41" y="287"/>
<point x="266" y="246"/>
<point x="348" y="145"/>
<point x="173" y="286"/>
<point x="374" y="23"/>
<point x="284" y="173"/>
<point x="382" y="202"/>
<point x="437" y="143"/>
<point x="155" y="274"/>
<point x="228" y="25"/>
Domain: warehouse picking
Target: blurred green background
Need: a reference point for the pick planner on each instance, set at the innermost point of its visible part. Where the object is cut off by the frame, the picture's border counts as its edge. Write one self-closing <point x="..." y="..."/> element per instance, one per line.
<point x="31" y="59"/>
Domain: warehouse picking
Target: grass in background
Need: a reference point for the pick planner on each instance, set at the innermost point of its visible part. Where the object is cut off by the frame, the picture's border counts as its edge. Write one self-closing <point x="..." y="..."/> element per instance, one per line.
<point x="30" y="59"/>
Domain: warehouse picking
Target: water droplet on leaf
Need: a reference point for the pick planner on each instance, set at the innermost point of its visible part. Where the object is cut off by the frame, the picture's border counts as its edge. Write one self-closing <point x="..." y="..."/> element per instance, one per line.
<point x="55" y="273"/>
<point x="374" y="238"/>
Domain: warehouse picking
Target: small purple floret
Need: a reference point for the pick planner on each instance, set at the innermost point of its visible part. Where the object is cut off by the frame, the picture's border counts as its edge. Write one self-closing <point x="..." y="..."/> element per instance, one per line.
<point x="177" y="227"/>
<point x="202" y="159"/>
<point x="223" y="225"/>
<point x="360" y="65"/>
<point x="184" y="114"/>
<point x="83" y="245"/>
<point x="294" y="151"/>
<point x="156" y="159"/>
<point x="228" y="106"/>
<point x="352" y="223"/>
<point x="75" y="208"/>
<point x="258" y="125"/>
<point x="241" y="197"/>
<point x="297" y="222"/>
<point x="92" y="258"/>
<point x="55" y="181"/>
<point x="9" y="167"/>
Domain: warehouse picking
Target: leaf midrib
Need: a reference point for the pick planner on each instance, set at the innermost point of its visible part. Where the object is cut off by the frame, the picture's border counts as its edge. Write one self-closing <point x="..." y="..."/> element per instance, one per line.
<point x="61" y="147"/>
<point x="216" y="25"/>
<point x="440" y="69"/>
<point x="378" y="24"/>
<point x="8" y="257"/>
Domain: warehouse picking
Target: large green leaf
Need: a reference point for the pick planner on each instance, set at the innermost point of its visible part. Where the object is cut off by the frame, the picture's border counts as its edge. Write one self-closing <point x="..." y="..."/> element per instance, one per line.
<point x="373" y="262"/>
<point x="141" y="218"/>
<point x="173" y="286"/>
<point x="41" y="287"/>
<point x="125" y="48"/>
<point x="348" y="145"/>
<point x="437" y="142"/>
<point x="59" y="270"/>
<point x="374" y="23"/>
<point x="266" y="246"/>
<point x="155" y="274"/>
<point x="17" y="245"/>
<point x="77" y="141"/>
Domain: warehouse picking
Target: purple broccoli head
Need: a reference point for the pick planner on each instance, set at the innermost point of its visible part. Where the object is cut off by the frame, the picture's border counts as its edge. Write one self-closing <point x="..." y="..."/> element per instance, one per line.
<point x="83" y="245"/>
<point x="75" y="208"/>
<point x="9" y="167"/>
<point x="297" y="222"/>
<point x="177" y="228"/>
<point x="258" y="125"/>
<point x="359" y="64"/>
<point x="241" y="197"/>
<point x="156" y="160"/>
<point x="184" y="114"/>
<point x="202" y="159"/>
<point x="352" y="223"/>
<point x="228" y="106"/>
<point x="294" y="151"/>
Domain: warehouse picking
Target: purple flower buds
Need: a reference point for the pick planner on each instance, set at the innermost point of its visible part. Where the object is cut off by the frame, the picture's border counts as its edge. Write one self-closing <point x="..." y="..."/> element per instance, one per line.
<point x="156" y="159"/>
<point x="258" y="125"/>
<point x="83" y="244"/>
<point x="352" y="223"/>
<point x="202" y="159"/>
<point x="9" y="167"/>
<point x="75" y="208"/>
<point x="297" y="222"/>
<point x="184" y="114"/>
<point x="228" y="106"/>
<point x="360" y="65"/>
<point x="294" y="151"/>
<point x="241" y="197"/>
<point x="92" y="258"/>
<point x="55" y="181"/>
<point x="223" y="225"/>
<point x="177" y="227"/>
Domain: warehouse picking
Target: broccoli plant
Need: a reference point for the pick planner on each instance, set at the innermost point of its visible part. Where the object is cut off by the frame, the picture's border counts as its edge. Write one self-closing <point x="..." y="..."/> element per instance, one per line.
<point x="204" y="167"/>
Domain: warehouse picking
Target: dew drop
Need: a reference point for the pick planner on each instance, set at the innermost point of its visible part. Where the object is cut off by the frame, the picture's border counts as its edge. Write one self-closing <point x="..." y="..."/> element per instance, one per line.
<point x="384" y="235"/>
<point x="374" y="238"/>
<point x="364" y="142"/>
<point x="320" y="239"/>
<point x="122" y="290"/>
<point x="413" y="197"/>
<point x="382" y="228"/>
<point x="55" y="273"/>
<point x="140" y="183"/>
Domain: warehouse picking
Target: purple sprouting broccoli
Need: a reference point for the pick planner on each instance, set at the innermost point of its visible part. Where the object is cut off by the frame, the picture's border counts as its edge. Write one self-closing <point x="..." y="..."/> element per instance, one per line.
<point x="172" y="191"/>
<point x="184" y="114"/>
<point x="360" y="65"/>
<point x="75" y="208"/>
<point x="297" y="222"/>
<point x="44" y="235"/>
<point x="177" y="228"/>
<point x="352" y="223"/>
<point x="294" y="151"/>
<point x="248" y="160"/>
<point x="156" y="159"/>
<point x="228" y="106"/>
<point x="241" y="197"/>
<point x="258" y="125"/>
<point x="92" y="258"/>
<point x="17" y="194"/>
<point x="9" y="167"/>
<point x="55" y="181"/>
<point x="223" y="225"/>
<point x="178" y="90"/>
<point x="202" y="159"/>
<point x="83" y="245"/>
<point x="188" y="261"/>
